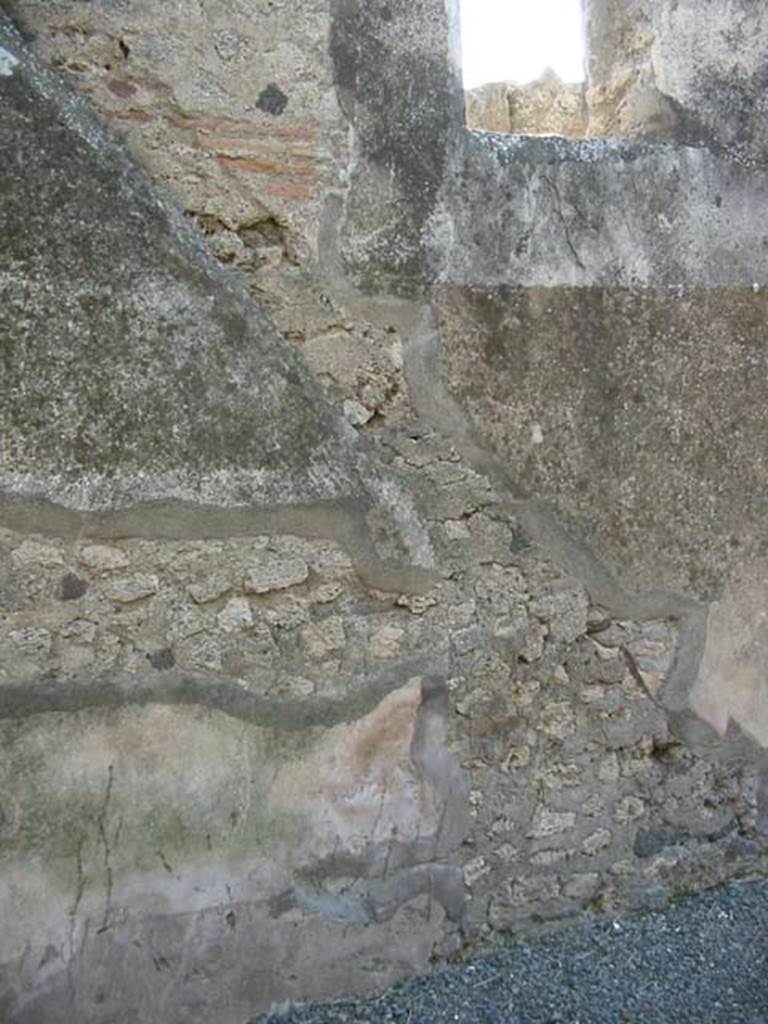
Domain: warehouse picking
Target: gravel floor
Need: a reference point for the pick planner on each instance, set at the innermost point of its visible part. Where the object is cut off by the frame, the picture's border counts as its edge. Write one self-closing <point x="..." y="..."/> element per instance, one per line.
<point x="704" y="961"/>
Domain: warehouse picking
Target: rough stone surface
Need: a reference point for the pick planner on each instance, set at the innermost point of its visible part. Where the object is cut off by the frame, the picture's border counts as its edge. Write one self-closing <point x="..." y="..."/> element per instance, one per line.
<point x="661" y="70"/>
<point x="547" y="106"/>
<point x="381" y="531"/>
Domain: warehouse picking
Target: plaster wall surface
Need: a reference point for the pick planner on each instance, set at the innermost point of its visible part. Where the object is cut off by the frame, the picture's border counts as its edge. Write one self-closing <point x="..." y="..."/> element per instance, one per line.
<point x="382" y="533"/>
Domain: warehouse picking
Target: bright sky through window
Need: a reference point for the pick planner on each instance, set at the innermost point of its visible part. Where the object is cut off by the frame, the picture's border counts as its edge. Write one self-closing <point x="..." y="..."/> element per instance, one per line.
<point x="515" y="40"/>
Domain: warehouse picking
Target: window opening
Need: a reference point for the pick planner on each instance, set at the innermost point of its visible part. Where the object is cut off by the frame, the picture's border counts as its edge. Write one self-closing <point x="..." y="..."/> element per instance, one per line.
<point x="523" y="66"/>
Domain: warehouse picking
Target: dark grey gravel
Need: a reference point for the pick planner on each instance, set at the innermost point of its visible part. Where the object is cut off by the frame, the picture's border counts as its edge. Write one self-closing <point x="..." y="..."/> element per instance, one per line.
<point x="704" y="961"/>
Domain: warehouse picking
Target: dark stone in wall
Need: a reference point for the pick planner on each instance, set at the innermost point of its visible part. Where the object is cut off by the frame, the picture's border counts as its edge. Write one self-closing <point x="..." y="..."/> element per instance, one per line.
<point x="72" y="587"/>
<point x="650" y="841"/>
<point x="162" y="660"/>
<point x="272" y="100"/>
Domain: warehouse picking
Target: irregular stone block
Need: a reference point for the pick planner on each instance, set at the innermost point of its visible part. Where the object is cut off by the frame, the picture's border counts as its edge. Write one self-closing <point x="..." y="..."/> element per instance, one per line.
<point x="127" y="589"/>
<point x="274" y="573"/>
<point x="549" y="823"/>
<point x="101" y="558"/>
<point x="235" y="615"/>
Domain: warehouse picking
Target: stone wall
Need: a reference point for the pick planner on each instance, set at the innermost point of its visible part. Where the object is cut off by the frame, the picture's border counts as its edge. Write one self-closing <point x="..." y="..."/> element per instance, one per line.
<point x="655" y="70"/>
<point x="382" y="531"/>
<point x="546" y="106"/>
<point x="665" y="70"/>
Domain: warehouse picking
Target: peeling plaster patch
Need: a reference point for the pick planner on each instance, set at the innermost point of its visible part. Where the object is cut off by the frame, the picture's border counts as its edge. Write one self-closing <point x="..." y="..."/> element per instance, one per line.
<point x="8" y="63"/>
<point x="360" y="785"/>
<point x="731" y="686"/>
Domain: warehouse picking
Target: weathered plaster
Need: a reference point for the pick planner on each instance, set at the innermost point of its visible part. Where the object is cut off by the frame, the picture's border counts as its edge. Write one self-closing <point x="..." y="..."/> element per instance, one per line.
<point x="445" y="543"/>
